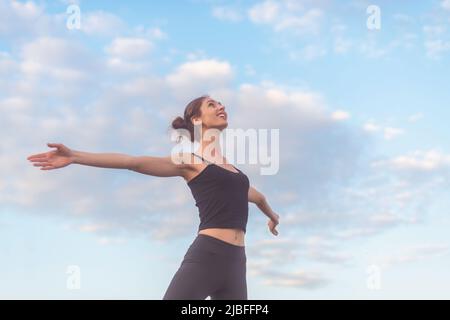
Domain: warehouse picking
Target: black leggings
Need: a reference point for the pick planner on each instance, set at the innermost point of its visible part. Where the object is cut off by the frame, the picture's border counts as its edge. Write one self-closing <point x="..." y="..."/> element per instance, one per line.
<point x="211" y="267"/>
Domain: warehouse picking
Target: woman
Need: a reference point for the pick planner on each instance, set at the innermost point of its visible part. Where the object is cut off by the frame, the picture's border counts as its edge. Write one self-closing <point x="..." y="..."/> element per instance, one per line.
<point x="215" y="263"/>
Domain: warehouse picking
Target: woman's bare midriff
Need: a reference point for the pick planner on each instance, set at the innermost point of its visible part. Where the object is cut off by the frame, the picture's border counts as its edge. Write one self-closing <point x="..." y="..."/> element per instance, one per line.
<point x="232" y="236"/>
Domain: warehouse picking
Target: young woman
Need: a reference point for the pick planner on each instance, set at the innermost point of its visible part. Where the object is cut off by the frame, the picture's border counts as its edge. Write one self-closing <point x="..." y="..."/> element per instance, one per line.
<point x="215" y="263"/>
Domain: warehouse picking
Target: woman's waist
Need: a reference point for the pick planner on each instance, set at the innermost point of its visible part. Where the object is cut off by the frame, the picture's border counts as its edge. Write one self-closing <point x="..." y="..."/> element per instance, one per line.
<point x="230" y="235"/>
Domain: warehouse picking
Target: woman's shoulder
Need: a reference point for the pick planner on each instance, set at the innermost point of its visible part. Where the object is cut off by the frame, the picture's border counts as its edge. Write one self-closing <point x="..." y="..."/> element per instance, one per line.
<point x="186" y="158"/>
<point x="191" y="164"/>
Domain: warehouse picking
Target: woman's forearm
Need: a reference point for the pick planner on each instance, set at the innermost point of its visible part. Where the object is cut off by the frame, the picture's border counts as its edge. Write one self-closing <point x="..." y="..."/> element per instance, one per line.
<point x="266" y="209"/>
<point x="103" y="160"/>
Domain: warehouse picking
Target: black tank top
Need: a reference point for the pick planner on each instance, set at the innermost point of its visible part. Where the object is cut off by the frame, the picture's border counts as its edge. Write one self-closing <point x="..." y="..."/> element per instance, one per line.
<point x="221" y="197"/>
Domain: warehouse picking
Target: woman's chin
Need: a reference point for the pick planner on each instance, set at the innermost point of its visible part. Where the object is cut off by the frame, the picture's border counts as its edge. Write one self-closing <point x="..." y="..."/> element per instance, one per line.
<point x="222" y="126"/>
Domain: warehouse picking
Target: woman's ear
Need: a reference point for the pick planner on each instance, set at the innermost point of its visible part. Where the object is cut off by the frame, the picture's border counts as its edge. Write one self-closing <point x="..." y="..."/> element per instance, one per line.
<point x="195" y="121"/>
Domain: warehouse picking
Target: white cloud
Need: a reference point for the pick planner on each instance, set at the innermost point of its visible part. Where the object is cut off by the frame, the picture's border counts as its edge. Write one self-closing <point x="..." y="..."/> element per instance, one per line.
<point x="265" y="12"/>
<point x="296" y="26"/>
<point x="371" y="127"/>
<point x="285" y="16"/>
<point x="436" y="44"/>
<point x="403" y="18"/>
<point x="434" y="30"/>
<point x="84" y="205"/>
<point x="226" y="14"/>
<point x="59" y="63"/>
<point x="371" y="48"/>
<point x="19" y="20"/>
<point x="201" y="70"/>
<point x="276" y="97"/>
<point x="415" y="117"/>
<point x="294" y="5"/>
<point x="308" y="52"/>
<point x="413" y="254"/>
<point x="93" y="227"/>
<point x="285" y="251"/>
<point x="110" y="240"/>
<point x="390" y="133"/>
<point x="26" y="10"/>
<point x="342" y="45"/>
<point x="308" y="23"/>
<point x="200" y="77"/>
<point x="297" y="279"/>
<point x="197" y="55"/>
<point x="129" y="54"/>
<point x="120" y="65"/>
<point x="420" y="160"/>
<point x="340" y="115"/>
<point x="385" y="219"/>
<point x="7" y="65"/>
<point x="323" y="250"/>
<point x="52" y="51"/>
<point x="12" y="104"/>
<point x="445" y="4"/>
<point x="101" y="23"/>
<point x="436" y="48"/>
<point x="146" y="87"/>
<point x="152" y="34"/>
<point x="282" y="250"/>
<point x="157" y="33"/>
<point x="356" y="232"/>
<point x="129" y="48"/>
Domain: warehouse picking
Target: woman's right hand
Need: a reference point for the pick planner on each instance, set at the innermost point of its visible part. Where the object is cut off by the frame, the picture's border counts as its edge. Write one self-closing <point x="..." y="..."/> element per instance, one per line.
<point x="54" y="159"/>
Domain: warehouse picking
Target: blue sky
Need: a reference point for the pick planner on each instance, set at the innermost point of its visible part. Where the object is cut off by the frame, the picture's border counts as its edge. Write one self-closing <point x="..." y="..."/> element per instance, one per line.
<point x="364" y="152"/>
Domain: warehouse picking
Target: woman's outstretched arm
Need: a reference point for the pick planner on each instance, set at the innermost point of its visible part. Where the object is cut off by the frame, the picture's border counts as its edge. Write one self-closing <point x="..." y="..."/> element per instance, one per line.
<point x="102" y="160"/>
<point x="158" y="166"/>
<point x="259" y="199"/>
<point x="63" y="156"/>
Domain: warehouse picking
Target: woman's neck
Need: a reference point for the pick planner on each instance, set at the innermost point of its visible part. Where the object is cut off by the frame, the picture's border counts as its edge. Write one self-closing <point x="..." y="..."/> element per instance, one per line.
<point x="211" y="150"/>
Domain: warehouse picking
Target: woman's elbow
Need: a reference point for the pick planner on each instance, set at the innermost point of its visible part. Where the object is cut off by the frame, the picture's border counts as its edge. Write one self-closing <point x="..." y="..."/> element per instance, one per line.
<point x="131" y="163"/>
<point x="261" y="199"/>
<point x="257" y="199"/>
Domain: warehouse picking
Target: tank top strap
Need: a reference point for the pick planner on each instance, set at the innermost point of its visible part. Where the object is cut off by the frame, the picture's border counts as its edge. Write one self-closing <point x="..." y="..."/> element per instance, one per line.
<point x="201" y="158"/>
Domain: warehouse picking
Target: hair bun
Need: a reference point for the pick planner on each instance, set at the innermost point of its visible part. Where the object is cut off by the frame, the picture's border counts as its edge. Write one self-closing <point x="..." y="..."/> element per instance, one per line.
<point x="179" y="123"/>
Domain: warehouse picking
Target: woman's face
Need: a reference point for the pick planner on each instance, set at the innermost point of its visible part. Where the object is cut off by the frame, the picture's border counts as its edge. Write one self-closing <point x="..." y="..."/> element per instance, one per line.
<point x="213" y="114"/>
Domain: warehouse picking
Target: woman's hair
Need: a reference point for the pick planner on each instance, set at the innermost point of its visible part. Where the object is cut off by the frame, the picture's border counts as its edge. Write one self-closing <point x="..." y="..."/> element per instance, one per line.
<point x="191" y="110"/>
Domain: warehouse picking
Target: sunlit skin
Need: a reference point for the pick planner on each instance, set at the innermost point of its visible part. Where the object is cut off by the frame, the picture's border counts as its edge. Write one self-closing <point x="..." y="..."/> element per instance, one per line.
<point x="213" y="115"/>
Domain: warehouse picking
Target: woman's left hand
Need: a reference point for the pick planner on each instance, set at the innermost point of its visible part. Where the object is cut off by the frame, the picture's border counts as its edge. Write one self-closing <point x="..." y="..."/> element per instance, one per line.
<point x="273" y="223"/>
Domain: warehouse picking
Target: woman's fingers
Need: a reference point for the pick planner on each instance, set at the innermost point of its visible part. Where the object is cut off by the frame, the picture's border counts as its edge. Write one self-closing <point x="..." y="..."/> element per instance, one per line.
<point x="37" y="155"/>
<point x="40" y="164"/>
<point x="272" y="224"/>
<point x="38" y="159"/>
<point x="55" y="145"/>
<point x="44" y="154"/>
<point x="272" y="229"/>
